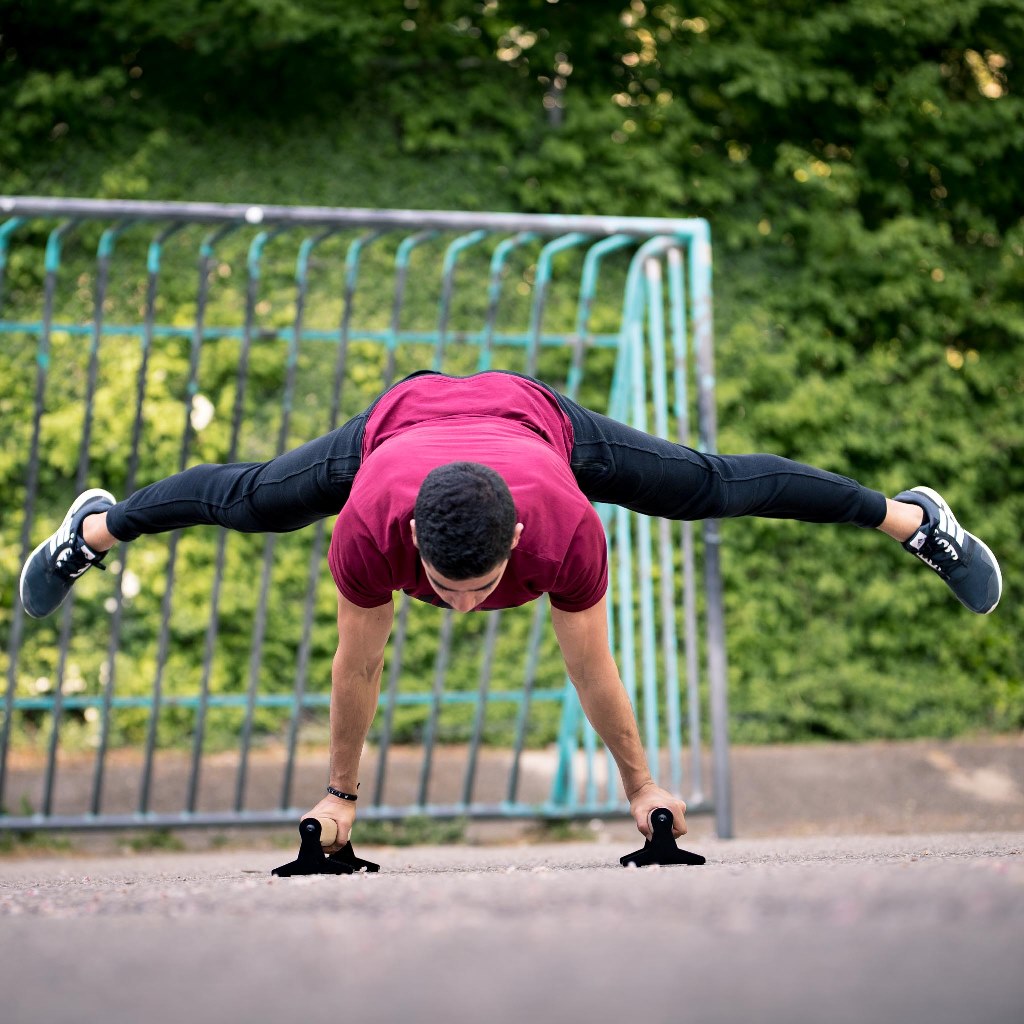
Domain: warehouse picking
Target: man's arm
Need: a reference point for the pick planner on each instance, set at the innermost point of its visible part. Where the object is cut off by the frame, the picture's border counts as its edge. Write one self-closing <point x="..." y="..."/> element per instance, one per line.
<point x="583" y="639"/>
<point x="355" y="689"/>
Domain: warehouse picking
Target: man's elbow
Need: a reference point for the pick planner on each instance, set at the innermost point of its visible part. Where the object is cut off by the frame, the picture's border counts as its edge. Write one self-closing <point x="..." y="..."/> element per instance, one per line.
<point x="597" y="672"/>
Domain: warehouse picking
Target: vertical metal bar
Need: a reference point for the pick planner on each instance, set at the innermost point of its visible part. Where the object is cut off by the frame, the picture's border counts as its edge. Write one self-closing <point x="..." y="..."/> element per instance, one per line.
<point x="700" y="284"/>
<point x="103" y="255"/>
<point x="563" y="790"/>
<point x="114" y="643"/>
<point x="623" y="518"/>
<point x="502" y="252"/>
<point x="352" y="264"/>
<point x="483" y="689"/>
<point x="643" y="580"/>
<point x="440" y="670"/>
<point x="206" y="256"/>
<point x="682" y="413"/>
<point x="319" y="532"/>
<point x="606" y="511"/>
<point x="532" y="659"/>
<point x="627" y="648"/>
<point x="302" y="666"/>
<point x="542" y="282"/>
<point x="564" y="775"/>
<point x="632" y="307"/>
<point x="448" y="287"/>
<point x="52" y="266"/>
<point x="402" y="257"/>
<point x="590" y="751"/>
<point x="585" y="306"/>
<point x="260" y="625"/>
<point x="620" y="407"/>
<point x="213" y="625"/>
<point x="6" y="230"/>
<point x="670" y="662"/>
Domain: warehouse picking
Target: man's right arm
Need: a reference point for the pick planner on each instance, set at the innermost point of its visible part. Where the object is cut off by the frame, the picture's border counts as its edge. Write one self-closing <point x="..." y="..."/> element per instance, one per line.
<point x="355" y="689"/>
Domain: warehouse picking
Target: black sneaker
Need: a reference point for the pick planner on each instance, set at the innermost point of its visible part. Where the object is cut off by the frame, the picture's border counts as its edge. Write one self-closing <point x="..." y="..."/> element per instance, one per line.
<point x="963" y="561"/>
<point x="51" y="570"/>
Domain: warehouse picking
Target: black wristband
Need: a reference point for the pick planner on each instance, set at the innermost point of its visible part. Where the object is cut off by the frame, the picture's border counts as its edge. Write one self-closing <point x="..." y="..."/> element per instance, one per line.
<point x="342" y="796"/>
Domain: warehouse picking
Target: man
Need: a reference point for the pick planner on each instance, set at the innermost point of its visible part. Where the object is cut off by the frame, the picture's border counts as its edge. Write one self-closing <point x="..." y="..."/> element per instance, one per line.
<point x="474" y="493"/>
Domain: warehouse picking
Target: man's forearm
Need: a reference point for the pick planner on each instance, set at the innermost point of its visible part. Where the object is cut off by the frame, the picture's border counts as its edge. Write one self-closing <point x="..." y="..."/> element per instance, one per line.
<point x="354" y="699"/>
<point x="608" y="710"/>
<point x="355" y="686"/>
<point x="583" y="638"/>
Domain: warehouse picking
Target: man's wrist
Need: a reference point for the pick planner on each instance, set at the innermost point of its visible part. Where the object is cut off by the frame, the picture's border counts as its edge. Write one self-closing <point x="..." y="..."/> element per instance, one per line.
<point x="633" y="791"/>
<point x="343" y="794"/>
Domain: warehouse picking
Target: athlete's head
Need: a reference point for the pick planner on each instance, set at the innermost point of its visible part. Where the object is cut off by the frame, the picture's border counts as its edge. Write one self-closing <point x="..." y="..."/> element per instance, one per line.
<point x="465" y="520"/>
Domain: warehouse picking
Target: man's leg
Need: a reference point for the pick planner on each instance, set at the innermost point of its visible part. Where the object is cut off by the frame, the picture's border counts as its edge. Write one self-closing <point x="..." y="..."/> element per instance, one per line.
<point x="287" y="493"/>
<point x="616" y="463"/>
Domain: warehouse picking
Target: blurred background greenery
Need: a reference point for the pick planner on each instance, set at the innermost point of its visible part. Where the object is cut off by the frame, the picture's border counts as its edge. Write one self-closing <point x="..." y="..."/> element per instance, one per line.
<point x="856" y="161"/>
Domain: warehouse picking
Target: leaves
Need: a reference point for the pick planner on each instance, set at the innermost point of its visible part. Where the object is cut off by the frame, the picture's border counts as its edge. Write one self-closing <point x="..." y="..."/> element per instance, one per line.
<point x="856" y="164"/>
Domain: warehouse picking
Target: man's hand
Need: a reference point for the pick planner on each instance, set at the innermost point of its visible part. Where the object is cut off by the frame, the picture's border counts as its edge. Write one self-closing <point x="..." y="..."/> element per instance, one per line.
<point x="650" y="797"/>
<point x="342" y="812"/>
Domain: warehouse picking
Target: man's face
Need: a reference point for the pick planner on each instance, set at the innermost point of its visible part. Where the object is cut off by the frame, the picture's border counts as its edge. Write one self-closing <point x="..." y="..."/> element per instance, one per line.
<point x="465" y="595"/>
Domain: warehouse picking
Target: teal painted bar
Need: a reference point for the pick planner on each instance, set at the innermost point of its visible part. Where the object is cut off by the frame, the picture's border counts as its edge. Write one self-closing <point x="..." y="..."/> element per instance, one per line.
<point x="681" y="407"/>
<point x="255" y="253"/>
<point x="656" y="337"/>
<point x="499" y="259"/>
<point x="480" y="338"/>
<point x="542" y="282"/>
<point x="155" y="250"/>
<point x="6" y="230"/>
<point x="451" y="256"/>
<point x="54" y="245"/>
<point x="269" y="700"/>
<point x="588" y="289"/>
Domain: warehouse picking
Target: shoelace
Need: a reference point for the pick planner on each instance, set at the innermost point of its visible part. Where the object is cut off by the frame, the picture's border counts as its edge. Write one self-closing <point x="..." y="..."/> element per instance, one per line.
<point x="73" y="561"/>
<point x="941" y="552"/>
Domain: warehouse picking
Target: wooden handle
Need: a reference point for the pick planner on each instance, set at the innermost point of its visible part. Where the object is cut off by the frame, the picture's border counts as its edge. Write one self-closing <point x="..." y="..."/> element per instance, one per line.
<point x="328" y="831"/>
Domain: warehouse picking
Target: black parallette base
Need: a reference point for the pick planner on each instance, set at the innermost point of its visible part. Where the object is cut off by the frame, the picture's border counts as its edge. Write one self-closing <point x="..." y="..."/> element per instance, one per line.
<point x="661" y="847"/>
<point x="313" y="861"/>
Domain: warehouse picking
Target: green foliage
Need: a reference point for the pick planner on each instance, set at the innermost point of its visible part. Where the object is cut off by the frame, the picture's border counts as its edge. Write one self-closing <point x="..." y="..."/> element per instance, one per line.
<point x="411" y="831"/>
<point x="159" y="840"/>
<point x="853" y="162"/>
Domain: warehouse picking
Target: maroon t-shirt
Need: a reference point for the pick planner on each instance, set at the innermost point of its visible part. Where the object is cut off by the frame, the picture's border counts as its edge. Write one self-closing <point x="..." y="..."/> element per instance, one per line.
<point x="510" y="424"/>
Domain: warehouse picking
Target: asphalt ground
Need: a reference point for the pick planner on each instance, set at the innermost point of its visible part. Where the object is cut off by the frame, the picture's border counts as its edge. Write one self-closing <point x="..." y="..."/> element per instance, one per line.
<point x="884" y="928"/>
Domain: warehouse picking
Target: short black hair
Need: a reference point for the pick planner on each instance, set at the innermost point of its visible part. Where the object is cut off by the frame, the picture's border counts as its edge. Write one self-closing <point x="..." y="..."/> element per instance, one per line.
<point x="465" y="520"/>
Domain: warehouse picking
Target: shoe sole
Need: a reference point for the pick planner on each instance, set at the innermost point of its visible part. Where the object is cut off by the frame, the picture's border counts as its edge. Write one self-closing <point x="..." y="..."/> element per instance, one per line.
<point x="941" y="502"/>
<point x="96" y="492"/>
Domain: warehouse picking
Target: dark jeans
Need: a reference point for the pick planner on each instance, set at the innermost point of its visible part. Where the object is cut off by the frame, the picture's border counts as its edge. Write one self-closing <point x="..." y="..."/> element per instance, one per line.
<point x="611" y="462"/>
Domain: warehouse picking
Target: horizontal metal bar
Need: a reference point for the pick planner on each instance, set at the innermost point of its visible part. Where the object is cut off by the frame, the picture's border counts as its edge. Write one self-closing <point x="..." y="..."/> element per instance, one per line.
<point x="269" y="700"/>
<point x="406" y="220"/>
<point x="35" y="329"/>
<point x="290" y="816"/>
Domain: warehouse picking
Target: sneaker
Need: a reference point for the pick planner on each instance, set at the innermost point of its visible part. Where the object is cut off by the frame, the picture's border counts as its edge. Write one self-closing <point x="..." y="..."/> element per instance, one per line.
<point x="963" y="561"/>
<point x="51" y="570"/>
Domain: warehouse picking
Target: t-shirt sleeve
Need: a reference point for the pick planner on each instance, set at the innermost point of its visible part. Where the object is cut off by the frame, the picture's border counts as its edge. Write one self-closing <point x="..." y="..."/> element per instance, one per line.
<point x="361" y="571"/>
<point x="582" y="579"/>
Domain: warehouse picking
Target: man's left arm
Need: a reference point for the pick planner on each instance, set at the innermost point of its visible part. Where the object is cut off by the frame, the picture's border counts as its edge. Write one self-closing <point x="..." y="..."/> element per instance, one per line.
<point x="583" y="639"/>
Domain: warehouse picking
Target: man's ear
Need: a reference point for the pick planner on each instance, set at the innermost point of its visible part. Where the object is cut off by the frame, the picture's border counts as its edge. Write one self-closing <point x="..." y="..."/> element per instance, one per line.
<point x="412" y="527"/>
<point x="518" y="532"/>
